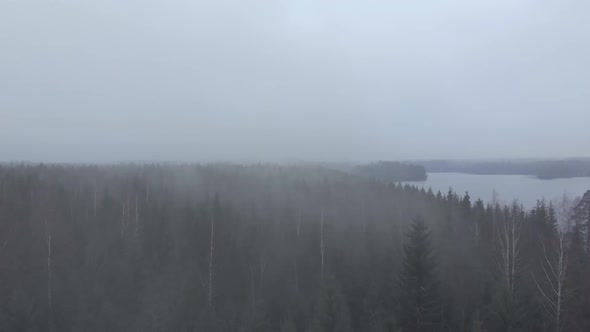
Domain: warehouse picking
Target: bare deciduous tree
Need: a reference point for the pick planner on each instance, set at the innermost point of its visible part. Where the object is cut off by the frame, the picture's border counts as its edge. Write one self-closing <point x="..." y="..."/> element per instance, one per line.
<point x="494" y="204"/>
<point x="554" y="269"/>
<point x="94" y="198"/>
<point x="49" y="302"/>
<point x="564" y="211"/>
<point x="123" y="221"/>
<point x="136" y="217"/>
<point x="211" y="265"/>
<point x="322" y="241"/>
<point x="509" y="247"/>
<point x="296" y="256"/>
<point x="298" y="225"/>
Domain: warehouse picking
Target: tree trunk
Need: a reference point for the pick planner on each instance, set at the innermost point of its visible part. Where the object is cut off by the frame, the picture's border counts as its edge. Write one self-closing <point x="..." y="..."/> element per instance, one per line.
<point x="94" y="199"/>
<point x="123" y="221"/>
<point x="211" y="266"/>
<point x="554" y="271"/>
<point x="49" y="303"/>
<point x="322" y="242"/>
<point x="136" y="217"/>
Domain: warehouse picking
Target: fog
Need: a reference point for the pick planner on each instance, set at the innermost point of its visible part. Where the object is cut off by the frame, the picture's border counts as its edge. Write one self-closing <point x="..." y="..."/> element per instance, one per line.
<point x="109" y="81"/>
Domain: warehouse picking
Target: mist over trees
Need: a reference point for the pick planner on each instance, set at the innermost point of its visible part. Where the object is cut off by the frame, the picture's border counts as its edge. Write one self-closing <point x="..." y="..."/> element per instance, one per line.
<point x="391" y="171"/>
<point x="279" y="248"/>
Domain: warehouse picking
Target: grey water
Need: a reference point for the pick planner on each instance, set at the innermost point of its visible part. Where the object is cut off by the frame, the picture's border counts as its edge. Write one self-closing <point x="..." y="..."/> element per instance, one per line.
<point x="526" y="189"/>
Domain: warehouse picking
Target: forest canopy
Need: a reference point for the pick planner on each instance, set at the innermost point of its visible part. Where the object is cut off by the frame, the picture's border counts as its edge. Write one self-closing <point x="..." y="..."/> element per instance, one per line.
<point x="390" y="171"/>
<point x="227" y="247"/>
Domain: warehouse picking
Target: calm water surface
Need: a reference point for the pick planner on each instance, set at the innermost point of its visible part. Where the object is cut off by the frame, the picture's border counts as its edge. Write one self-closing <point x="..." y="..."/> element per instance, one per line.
<point x="524" y="188"/>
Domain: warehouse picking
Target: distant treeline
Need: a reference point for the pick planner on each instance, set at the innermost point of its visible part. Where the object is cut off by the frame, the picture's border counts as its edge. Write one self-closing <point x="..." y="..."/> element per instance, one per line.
<point x="390" y="171"/>
<point x="542" y="169"/>
<point x="261" y="248"/>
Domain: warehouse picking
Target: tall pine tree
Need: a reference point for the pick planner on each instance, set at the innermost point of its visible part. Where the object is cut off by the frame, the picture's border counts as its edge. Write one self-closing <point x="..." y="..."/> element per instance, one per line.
<point x="418" y="284"/>
<point x="331" y="312"/>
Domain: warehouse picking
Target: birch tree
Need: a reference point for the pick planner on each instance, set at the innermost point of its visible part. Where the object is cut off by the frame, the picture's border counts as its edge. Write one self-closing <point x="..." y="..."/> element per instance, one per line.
<point x="552" y="287"/>
<point x="49" y="301"/>
<point x="210" y="297"/>
<point x="322" y="243"/>
<point x="123" y="221"/>
<point x="509" y="248"/>
<point x="136" y="217"/>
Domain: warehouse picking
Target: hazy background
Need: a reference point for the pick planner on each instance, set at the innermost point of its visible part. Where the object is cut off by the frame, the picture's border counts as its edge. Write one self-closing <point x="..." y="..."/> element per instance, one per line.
<point x="112" y="80"/>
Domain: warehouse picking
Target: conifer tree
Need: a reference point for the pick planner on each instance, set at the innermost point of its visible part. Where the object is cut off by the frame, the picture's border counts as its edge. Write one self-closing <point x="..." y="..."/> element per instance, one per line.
<point x="418" y="284"/>
<point x="331" y="310"/>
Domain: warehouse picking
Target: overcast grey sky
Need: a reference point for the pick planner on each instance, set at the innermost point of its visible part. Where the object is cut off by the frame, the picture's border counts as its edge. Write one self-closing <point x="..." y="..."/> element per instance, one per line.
<point x="187" y="80"/>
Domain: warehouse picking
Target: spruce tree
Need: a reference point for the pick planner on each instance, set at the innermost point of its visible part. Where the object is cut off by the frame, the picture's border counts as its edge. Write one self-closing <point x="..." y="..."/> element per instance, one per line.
<point x="418" y="284"/>
<point x="578" y="275"/>
<point x="331" y="310"/>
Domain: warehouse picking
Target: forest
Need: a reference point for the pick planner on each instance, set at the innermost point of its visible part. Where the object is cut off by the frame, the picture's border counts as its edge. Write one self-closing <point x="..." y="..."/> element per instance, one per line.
<point x="265" y="247"/>
<point x="391" y="171"/>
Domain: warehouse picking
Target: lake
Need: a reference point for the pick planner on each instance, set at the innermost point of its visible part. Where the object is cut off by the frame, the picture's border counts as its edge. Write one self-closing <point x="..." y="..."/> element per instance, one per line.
<point x="524" y="188"/>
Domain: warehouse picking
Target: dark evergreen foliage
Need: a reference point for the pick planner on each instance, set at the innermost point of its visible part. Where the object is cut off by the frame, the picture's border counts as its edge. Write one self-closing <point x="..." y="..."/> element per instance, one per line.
<point x="418" y="285"/>
<point x="131" y="248"/>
